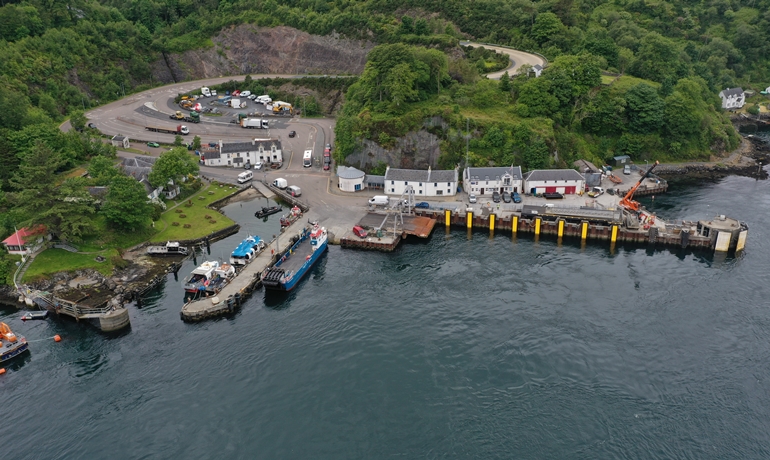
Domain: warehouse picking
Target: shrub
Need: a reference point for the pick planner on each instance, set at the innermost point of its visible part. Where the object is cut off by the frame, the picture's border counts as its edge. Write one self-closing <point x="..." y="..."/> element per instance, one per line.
<point x="186" y="225"/>
<point x="182" y="216"/>
<point x="212" y="221"/>
<point x="118" y="262"/>
<point x="178" y="211"/>
<point x="175" y="224"/>
<point x="207" y="216"/>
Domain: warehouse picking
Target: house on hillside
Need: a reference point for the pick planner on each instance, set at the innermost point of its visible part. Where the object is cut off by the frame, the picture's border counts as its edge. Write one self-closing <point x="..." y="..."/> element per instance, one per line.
<point x="564" y="181"/>
<point x="26" y="240"/>
<point x="121" y="142"/>
<point x="732" y="98"/>
<point x="139" y="168"/>
<point x="537" y="69"/>
<point x="237" y="154"/>
<point x="486" y="181"/>
<point x="350" y="179"/>
<point x="423" y="182"/>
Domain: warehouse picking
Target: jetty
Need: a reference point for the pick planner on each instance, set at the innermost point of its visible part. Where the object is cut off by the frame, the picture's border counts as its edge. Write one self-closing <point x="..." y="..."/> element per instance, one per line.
<point x="106" y="315"/>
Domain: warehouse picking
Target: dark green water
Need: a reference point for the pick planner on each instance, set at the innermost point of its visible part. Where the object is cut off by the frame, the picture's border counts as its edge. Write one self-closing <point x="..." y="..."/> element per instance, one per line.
<point x="460" y="347"/>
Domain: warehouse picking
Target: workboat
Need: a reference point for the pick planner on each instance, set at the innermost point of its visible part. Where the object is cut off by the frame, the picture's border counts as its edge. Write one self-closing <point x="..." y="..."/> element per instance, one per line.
<point x="297" y="261"/>
<point x="264" y="212"/>
<point x="247" y="250"/>
<point x="11" y="344"/>
<point x="171" y="248"/>
<point x="289" y="219"/>
<point x="209" y="277"/>
<point x="34" y="315"/>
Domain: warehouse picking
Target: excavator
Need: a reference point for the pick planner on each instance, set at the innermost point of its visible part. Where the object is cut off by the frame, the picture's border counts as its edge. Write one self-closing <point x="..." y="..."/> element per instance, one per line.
<point x="627" y="202"/>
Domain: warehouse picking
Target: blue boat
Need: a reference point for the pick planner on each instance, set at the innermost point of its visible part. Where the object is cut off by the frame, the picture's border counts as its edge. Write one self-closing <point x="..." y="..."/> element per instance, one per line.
<point x="290" y="269"/>
<point x="247" y="251"/>
<point x="11" y="345"/>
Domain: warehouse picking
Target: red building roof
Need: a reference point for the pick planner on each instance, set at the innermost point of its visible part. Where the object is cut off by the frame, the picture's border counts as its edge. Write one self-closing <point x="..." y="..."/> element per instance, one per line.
<point x="23" y="235"/>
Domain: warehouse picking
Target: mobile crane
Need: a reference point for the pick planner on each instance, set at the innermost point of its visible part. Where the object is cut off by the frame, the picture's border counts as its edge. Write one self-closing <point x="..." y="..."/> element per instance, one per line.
<point x="627" y="202"/>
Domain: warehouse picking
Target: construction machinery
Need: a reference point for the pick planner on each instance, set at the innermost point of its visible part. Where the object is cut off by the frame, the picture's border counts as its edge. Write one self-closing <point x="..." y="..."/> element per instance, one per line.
<point x="627" y="201"/>
<point x="194" y="117"/>
<point x="282" y="108"/>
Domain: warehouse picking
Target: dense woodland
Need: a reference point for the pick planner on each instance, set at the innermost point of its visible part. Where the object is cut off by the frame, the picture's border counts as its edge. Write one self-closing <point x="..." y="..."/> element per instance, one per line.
<point x="61" y="57"/>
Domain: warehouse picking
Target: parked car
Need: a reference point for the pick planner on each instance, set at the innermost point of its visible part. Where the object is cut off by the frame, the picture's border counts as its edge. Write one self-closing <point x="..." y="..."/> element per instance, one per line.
<point x="247" y="165"/>
<point x="327" y="166"/>
<point x="627" y="169"/>
<point x="422" y="205"/>
<point x="258" y="165"/>
<point x="506" y="197"/>
<point x="153" y="144"/>
<point x="496" y="196"/>
<point x="472" y="198"/>
<point x="516" y="197"/>
<point x="292" y="133"/>
<point x="359" y="231"/>
<point x="92" y="126"/>
<point x="327" y="151"/>
<point x="329" y="147"/>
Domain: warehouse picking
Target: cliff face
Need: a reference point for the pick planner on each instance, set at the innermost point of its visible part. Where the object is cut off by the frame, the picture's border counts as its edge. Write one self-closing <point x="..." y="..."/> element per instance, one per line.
<point x="247" y="49"/>
<point x="416" y="150"/>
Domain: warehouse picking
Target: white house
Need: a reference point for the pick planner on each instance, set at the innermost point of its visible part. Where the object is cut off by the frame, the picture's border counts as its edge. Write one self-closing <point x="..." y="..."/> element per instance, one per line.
<point x="565" y="181"/>
<point x="732" y="98"/>
<point x="486" y="181"/>
<point x="237" y="154"/>
<point x="350" y="179"/>
<point x="537" y="69"/>
<point x="26" y="240"/>
<point x="423" y="182"/>
<point x="121" y="142"/>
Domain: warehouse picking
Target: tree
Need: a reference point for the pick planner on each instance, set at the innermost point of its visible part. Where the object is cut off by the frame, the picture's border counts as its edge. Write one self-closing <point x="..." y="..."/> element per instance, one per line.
<point x="407" y="25"/>
<point x="102" y="170"/>
<point x="78" y="120"/>
<point x="196" y="143"/>
<point x="172" y="165"/>
<point x="681" y="115"/>
<point x="644" y="108"/>
<point x="421" y="27"/>
<point x="536" y="155"/>
<point x="400" y="84"/>
<point x="546" y="25"/>
<point x="126" y="206"/>
<point x="505" y="83"/>
<point x="178" y="141"/>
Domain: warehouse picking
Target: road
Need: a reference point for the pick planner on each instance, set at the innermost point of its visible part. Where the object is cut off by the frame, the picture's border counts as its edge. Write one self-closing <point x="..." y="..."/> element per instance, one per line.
<point x="518" y="58"/>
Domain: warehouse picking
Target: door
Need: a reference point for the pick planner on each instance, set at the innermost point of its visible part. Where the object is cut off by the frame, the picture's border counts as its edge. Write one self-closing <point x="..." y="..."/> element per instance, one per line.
<point x="550" y="190"/>
<point x="481" y="191"/>
<point x="569" y="190"/>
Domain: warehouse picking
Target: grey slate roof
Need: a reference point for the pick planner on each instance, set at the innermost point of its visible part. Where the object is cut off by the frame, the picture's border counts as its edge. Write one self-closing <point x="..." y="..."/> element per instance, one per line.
<point x="138" y="167"/>
<point x="374" y="180"/>
<point x="118" y="138"/>
<point x="537" y="67"/>
<point x="210" y="154"/>
<point x="420" y="175"/>
<point x="554" y="175"/>
<point x="732" y="92"/>
<point x="494" y="173"/>
<point x="237" y="147"/>
<point x="345" y="172"/>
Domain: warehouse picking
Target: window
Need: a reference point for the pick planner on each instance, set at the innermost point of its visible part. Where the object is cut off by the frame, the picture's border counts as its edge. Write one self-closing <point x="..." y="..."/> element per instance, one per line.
<point x="420" y="191"/>
<point x="358" y="187"/>
<point x="448" y="191"/>
<point x="420" y="184"/>
<point x="438" y="192"/>
<point x="392" y="182"/>
<point x="406" y="183"/>
<point x="435" y="184"/>
<point x="392" y="190"/>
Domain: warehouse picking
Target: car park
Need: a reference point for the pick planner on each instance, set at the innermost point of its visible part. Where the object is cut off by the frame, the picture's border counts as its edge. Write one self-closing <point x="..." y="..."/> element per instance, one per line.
<point x="472" y="198"/>
<point x="516" y="197"/>
<point x="359" y="231"/>
<point x="422" y="205"/>
<point x="506" y="197"/>
<point x="153" y="144"/>
<point x="292" y="133"/>
<point x="496" y="196"/>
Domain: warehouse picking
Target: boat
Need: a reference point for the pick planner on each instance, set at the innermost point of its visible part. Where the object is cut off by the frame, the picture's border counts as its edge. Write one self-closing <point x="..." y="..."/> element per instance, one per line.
<point x="35" y="315"/>
<point x="11" y="344"/>
<point x="552" y="195"/>
<point x="289" y="219"/>
<point x="247" y="250"/>
<point x="264" y="212"/>
<point x="171" y="248"/>
<point x="297" y="261"/>
<point x="209" y="277"/>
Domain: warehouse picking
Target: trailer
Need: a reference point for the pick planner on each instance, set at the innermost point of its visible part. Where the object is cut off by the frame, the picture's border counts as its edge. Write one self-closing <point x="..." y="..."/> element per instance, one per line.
<point x="180" y="129"/>
<point x="254" y="123"/>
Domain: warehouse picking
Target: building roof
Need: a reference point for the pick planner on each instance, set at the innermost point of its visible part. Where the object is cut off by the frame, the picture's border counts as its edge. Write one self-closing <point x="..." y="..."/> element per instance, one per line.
<point x="345" y="172"/>
<point x="554" y="175"/>
<point x="537" y="67"/>
<point x="494" y="173"/>
<point x="23" y="235"/>
<point x="374" y="179"/>
<point x="421" y="175"/>
<point x="621" y="157"/>
<point x="731" y="92"/>
<point x="253" y="146"/>
<point x="118" y="138"/>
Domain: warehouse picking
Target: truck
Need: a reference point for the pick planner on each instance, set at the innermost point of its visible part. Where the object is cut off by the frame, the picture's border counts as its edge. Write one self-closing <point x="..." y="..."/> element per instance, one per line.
<point x="281" y="183"/>
<point x="194" y="117"/>
<point x="254" y="123"/>
<point x="180" y="129"/>
<point x="206" y="92"/>
<point x="264" y="99"/>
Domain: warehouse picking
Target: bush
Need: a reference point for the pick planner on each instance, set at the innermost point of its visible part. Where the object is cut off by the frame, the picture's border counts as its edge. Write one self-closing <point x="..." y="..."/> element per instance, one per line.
<point x="212" y="221"/>
<point x="186" y="225"/>
<point x="178" y="211"/>
<point x="118" y="262"/>
<point x="175" y="224"/>
<point x="182" y="216"/>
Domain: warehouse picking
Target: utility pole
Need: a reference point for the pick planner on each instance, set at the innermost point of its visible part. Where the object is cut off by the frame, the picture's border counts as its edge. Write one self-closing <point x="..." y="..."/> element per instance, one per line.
<point x="467" y="140"/>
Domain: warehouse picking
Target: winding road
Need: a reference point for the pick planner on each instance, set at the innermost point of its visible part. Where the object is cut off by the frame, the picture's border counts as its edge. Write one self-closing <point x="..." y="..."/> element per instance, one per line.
<point x="518" y="58"/>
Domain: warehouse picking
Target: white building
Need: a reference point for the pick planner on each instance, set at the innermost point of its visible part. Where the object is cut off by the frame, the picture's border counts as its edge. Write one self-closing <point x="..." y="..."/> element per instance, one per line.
<point x="486" y="181"/>
<point x="26" y="240"/>
<point x="564" y="181"/>
<point x="537" y="69"/>
<point x="121" y="142"/>
<point x="732" y="98"/>
<point x="423" y="182"/>
<point x="350" y="179"/>
<point x="237" y="154"/>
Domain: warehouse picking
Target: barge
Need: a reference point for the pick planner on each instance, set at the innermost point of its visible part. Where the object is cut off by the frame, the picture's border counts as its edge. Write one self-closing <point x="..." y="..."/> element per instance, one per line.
<point x="297" y="261"/>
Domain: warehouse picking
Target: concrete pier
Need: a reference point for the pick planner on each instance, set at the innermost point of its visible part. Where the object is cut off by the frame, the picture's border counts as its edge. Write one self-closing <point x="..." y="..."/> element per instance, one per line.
<point x="107" y="316"/>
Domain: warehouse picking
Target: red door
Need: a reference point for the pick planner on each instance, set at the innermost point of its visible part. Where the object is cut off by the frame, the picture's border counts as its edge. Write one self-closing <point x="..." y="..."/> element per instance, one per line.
<point x="550" y="190"/>
<point x="569" y="190"/>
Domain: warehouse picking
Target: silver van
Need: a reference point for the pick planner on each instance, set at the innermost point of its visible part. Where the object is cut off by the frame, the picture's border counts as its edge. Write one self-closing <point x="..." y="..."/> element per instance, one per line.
<point x="294" y="190"/>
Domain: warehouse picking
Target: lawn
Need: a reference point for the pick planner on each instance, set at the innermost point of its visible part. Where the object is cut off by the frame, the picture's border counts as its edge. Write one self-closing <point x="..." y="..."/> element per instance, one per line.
<point x="195" y="215"/>
<point x="53" y="261"/>
<point x="607" y="79"/>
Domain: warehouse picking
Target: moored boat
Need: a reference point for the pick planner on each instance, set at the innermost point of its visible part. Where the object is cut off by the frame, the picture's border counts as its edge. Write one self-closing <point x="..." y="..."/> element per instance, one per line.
<point x="11" y="345"/>
<point x="201" y="277"/>
<point x="247" y="251"/>
<point x="34" y="315"/>
<point x="265" y="211"/>
<point x="295" y="264"/>
<point x="171" y="248"/>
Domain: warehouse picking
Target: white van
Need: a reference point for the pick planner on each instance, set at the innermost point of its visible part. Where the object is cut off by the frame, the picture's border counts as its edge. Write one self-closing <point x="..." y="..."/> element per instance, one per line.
<point x="245" y="93"/>
<point x="245" y="177"/>
<point x="280" y="183"/>
<point x="307" y="159"/>
<point x="205" y="91"/>
<point x="294" y="190"/>
<point x="379" y="200"/>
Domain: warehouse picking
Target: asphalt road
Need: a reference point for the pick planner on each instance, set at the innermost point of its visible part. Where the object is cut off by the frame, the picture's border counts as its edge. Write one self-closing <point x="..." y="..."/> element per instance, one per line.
<point x="518" y="58"/>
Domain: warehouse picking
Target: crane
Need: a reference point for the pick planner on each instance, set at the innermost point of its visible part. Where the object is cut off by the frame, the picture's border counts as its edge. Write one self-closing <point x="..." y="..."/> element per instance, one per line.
<point x="627" y="201"/>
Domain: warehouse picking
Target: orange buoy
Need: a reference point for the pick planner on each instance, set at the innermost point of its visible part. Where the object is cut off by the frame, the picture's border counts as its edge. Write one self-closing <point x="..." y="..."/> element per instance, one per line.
<point x="57" y="338"/>
<point x="2" y="371"/>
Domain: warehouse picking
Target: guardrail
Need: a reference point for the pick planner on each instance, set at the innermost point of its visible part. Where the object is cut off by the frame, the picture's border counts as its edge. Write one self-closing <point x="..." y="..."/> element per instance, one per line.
<point x="545" y="59"/>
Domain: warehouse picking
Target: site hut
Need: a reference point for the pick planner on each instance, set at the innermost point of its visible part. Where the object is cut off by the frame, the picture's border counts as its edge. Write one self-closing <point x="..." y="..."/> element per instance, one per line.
<point x="121" y="142"/>
<point x="732" y="98"/>
<point x="486" y="181"/>
<point x="237" y="154"/>
<point x="621" y="160"/>
<point x="423" y="182"/>
<point x="350" y="179"/>
<point x="564" y="181"/>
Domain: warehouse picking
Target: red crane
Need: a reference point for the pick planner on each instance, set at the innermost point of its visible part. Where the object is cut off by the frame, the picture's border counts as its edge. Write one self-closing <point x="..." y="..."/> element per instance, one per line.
<point x="627" y="201"/>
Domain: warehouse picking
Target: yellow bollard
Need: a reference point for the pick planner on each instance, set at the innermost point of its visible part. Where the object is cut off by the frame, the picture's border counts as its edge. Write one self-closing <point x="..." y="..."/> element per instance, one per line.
<point x="537" y="226"/>
<point x="491" y="221"/>
<point x="614" y="237"/>
<point x="561" y="228"/>
<point x="584" y="231"/>
<point x="447" y="217"/>
<point x="469" y="219"/>
<point x="515" y="224"/>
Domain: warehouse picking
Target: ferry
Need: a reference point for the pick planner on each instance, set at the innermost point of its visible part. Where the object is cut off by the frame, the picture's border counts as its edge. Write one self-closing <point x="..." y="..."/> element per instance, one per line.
<point x="209" y="277"/>
<point x="247" y="251"/>
<point x="12" y="345"/>
<point x="290" y="268"/>
<point x="171" y="248"/>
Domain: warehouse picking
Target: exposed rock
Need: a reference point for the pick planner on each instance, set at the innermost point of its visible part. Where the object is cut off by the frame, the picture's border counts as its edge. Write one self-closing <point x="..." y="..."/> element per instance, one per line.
<point x="416" y="150"/>
<point x="248" y="49"/>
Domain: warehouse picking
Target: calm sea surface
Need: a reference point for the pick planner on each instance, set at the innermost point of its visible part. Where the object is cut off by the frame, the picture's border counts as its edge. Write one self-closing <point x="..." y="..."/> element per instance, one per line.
<point x="464" y="346"/>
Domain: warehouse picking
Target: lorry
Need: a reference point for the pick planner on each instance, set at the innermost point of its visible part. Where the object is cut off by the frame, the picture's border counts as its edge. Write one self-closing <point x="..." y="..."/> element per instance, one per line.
<point x="206" y="92"/>
<point x="294" y="190"/>
<point x="180" y="129"/>
<point x="379" y="200"/>
<point x="254" y="123"/>
<point x="194" y="117"/>
<point x="281" y="183"/>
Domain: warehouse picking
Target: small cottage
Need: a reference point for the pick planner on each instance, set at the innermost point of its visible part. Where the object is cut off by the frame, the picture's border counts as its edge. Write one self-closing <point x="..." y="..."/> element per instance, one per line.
<point x="238" y="154"/>
<point x="121" y="142"/>
<point x="537" y="69"/>
<point x="423" y="182"/>
<point x="25" y="241"/>
<point x="732" y="98"/>
<point x="486" y="181"/>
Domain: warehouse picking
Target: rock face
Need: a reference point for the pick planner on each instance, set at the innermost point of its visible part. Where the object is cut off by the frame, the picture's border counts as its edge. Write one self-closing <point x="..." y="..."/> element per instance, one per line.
<point x="248" y="49"/>
<point x="416" y="150"/>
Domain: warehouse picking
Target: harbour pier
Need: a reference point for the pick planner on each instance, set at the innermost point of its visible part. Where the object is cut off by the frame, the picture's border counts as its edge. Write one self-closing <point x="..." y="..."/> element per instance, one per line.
<point x="107" y="315"/>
